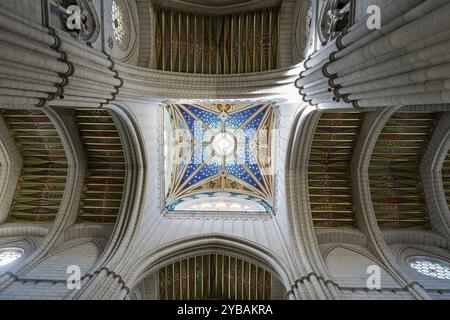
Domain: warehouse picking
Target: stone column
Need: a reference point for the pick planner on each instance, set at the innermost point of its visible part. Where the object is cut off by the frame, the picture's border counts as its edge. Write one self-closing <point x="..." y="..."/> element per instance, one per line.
<point x="42" y="66"/>
<point x="316" y="283"/>
<point x="404" y="63"/>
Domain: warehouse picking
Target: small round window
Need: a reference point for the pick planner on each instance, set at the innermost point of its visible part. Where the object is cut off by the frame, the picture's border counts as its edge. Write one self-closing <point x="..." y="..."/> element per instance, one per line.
<point x="431" y="268"/>
<point x="9" y="255"/>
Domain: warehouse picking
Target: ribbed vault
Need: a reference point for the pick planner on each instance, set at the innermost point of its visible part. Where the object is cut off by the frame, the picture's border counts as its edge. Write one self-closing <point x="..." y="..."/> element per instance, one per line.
<point x="394" y="172"/>
<point x="329" y="174"/>
<point x="402" y="64"/>
<point x="216" y="7"/>
<point x="41" y="185"/>
<point x="395" y="179"/>
<point x="446" y="178"/>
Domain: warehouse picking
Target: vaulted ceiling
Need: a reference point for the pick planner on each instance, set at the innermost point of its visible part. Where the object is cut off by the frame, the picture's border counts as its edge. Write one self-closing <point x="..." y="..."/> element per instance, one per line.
<point x="221" y="150"/>
<point x="394" y="172"/>
<point x="446" y="178"/>
<point x="329" y="174"/>
<point x="225" y="44"/>
<point x="42" y="182"/>
<point x="216" y="6"/>
<point x="214" y="276"/>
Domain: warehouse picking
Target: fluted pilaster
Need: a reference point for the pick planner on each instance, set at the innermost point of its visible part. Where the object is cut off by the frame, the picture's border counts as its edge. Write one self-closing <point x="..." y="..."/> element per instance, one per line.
<point x="318" y="283"/>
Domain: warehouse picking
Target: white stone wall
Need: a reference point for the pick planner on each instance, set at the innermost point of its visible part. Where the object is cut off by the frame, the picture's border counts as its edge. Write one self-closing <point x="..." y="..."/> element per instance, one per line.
<point x="151" y="288"/>
<point x="348" y="266"/>
<point x="287" y="114"/>
<point x="27" y="244"/>
<point x="31" y="290"/>
<point x="287" y="22"/>
<point x="362" y="5"/>
<point x="436" y="288"/>
<point x="48" y="279"/>
<point x="346" y="263"/>
<point x="31" y="9"/>
<point x="145" y="33"/>
<point x="157" y="231"/>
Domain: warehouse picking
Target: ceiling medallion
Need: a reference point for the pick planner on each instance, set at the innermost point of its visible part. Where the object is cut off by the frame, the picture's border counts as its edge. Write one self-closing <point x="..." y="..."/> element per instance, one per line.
<point x="221" y="152"/>
<point x="224" y="144"/>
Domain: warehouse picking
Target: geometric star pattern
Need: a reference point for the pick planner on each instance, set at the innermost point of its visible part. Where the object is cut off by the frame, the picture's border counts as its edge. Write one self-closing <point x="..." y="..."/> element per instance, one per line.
<point x="221" y="149"/>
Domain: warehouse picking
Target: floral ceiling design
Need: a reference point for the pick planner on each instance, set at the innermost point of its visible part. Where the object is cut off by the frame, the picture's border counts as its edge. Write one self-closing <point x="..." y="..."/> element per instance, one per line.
<point x="219" y="157"/>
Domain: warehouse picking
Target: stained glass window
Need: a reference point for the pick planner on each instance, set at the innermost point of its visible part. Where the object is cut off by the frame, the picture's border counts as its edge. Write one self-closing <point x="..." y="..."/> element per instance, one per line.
<point x="431" y="268"/>
<point x="119" y="24"/>
<point x="9" y="255"/>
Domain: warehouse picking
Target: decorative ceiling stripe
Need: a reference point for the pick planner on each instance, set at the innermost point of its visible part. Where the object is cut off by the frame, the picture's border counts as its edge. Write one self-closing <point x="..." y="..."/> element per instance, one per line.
<point x="446" y="178"/>
<point x="251" y="118"/>
<point x="180" y="123"/>
<point x="214" y="276"/>
<point x="230" y="184"/>
<point x="104" y="183"/>
<point x="189" y="111"/>
<point x="394" y="171"/>
<point x="208" y="163"/>
<point x="329" y="174"/>
<point x="193" y="174"/>
<point x="42" y="181"/>
<point x="219" y="44"/>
